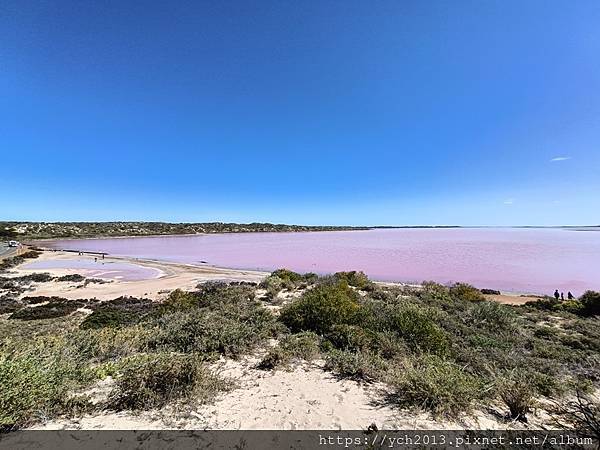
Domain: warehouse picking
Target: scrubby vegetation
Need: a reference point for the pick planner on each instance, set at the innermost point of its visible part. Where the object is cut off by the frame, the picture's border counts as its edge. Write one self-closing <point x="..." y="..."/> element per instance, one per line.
<point x="151" y="381"/>
<point x="157" y="352"/>
<point x="9" y="263"/>
<point x="446" y="349"/>
<point x="284" y="279"/>
<point x="442" y="349"/>
<point x="43" y="230"/>
<point x="587" y="305"/>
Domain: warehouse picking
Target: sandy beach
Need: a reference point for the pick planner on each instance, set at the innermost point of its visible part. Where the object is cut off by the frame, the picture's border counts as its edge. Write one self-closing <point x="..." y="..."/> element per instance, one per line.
<point x="169" y="276"/>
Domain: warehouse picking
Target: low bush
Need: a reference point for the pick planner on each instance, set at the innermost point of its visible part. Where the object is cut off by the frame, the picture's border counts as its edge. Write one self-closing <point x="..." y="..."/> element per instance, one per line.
<point x="436" y="385"/>
<point x="151" y="381"/>
<point x="355" y="279"/>
<point x="108" y="317"/>
<point x="590" y="303"/>
<point x="228" y="330"/>
<point x="31" y="254"/>
<point x="466" y="292"/>
<point x="490" y="292"/>
<point x="348" y="337"/>
<point x="517" y="394"/>
<point x="302" y="346"/>
<point x="359" y="365"/>
<point x="35" y="384"/>
<point x="414" y="324"/>
<point x="35" y="277"/>
<point x="492" y="315"/>
<point x="286" y="279"/>
<point x="322" y="307"/>
<point x="179" y="300"/>
<point x="108" y="343"/>
<point x="8" y="304"/>
<point x="73" y="278"/>
<point x="50" y="310"/>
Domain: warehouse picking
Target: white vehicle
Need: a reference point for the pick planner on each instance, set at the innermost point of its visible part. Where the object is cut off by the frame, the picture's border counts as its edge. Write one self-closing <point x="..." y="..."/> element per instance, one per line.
<point x="13" y="243"/>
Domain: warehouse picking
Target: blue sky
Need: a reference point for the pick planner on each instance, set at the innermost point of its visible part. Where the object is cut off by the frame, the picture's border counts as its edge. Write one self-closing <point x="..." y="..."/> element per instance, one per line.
<point x="312" y="112"/>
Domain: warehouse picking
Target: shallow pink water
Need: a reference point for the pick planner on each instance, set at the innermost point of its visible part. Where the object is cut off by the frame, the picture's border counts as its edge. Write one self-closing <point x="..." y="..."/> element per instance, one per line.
<point x="99" y="269"/>
<point x="520" y="260"/>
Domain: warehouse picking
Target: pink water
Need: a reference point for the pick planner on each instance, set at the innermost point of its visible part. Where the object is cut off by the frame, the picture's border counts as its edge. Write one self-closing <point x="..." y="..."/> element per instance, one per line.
<point x="99" y="269"/>
<point x="519" y="260"/>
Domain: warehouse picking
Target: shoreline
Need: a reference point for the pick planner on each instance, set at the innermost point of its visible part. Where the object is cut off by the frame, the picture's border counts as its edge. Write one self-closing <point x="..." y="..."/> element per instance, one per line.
<point x="175" y="275"/>
<point x="32" y="241"/>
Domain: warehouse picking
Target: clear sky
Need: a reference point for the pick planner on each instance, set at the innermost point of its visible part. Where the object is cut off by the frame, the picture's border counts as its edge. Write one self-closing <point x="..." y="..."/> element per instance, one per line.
<point x="310" y="112"/>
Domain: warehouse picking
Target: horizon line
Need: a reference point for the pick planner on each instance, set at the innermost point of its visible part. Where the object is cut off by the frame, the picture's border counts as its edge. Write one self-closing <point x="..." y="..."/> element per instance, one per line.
<point x="290" y="224"/>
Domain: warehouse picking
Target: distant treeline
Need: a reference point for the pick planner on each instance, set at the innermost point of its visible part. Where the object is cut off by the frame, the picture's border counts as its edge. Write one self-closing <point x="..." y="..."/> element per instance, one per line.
<point x="42" y="230"/>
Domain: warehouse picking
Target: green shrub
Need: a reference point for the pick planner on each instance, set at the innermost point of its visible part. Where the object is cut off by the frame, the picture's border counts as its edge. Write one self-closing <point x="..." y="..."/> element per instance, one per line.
<point x="72" y="277"/>
<point x="36" y="278"/>
<point x="360" y="365"/>
<point x="35" y="383"/>
<point x="228" y="330"/>
<point x="492" y="316"/>
<point x="414" y="324"/>
<point x="152" y="381"/>
<point x="590" y="302"/>
<point x="31" y="254"/>
<point x="321" y="307"/>
<point x="436" y="385"/>
<point x="104" y="344"/>
<point x="466" y="292"/>
<point x="490" y="292"/>
<point x="388" y="345"/>
<point x="218" y="294"/>
<point x="273" y="286"/>
<point x="434" y="291"/>
<point x="8" y="304"/>
<point x="517" y="394"/>
<point x="356" y="279"/>
<point x="50" y="310"/>
<point x="286" y="279"/>
<point x="108" y="317"/>
<point x="348" y="337"/>
<point x="572" y="306"/>
<point x="303" y="346"/>
<point x="179" y="300"/>
<point x="287" y="276"/>
<point x="545" y="332"/>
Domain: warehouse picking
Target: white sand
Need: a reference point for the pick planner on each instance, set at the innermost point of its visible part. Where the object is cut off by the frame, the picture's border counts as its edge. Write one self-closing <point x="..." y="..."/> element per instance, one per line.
<point x="173" y="276"/>
<point x="305" y="398"/>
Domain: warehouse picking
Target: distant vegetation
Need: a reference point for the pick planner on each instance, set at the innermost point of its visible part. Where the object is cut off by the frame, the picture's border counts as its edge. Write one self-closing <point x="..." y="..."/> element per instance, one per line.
<point x="43" y="230"/>
<point x="445" y="350"/>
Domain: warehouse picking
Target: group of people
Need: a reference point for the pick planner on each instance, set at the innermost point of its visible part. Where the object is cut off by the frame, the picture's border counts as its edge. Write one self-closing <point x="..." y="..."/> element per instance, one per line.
<point x="562" y="295"/>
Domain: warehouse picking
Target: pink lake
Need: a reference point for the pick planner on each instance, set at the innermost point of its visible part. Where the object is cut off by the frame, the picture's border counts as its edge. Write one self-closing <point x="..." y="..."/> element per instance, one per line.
<point x="508" y="259"/>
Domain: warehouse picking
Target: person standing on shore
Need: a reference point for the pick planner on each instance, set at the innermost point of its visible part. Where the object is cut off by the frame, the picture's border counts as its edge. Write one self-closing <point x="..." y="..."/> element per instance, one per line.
<point x="570" y="296"/>
<point x="562" y="296"/>
<point x="556" y="294"/>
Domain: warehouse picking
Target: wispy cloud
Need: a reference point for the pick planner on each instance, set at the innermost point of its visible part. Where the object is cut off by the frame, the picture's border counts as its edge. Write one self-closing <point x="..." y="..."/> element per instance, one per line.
<point x="560" y="158"/>
<point x="509" y="201"/>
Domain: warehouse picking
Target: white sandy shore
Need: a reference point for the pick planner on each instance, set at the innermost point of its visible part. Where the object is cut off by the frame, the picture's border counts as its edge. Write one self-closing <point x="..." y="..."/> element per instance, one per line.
<point x="172" y="276"/>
